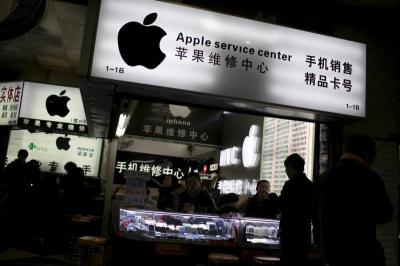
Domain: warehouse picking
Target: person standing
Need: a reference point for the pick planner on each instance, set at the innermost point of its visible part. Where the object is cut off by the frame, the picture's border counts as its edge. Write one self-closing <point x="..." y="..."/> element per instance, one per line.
<point x="17" y="185"/>
<point x="350" y="201"/>
<point x="296" y="210"/>
<point x="16" y="181"/>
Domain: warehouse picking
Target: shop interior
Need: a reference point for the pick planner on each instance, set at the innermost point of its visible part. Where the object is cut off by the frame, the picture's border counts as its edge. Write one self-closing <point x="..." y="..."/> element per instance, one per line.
<point x="230" y="151"/>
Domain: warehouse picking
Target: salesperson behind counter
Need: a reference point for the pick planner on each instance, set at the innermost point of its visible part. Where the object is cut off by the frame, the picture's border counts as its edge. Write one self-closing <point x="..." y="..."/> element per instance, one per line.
<point x="195" y="199"/>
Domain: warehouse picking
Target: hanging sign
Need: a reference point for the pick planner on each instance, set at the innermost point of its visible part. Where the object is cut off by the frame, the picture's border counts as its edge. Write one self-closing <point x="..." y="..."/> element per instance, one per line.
<point x="176" y="122"/>
<point x="52" y="107"/>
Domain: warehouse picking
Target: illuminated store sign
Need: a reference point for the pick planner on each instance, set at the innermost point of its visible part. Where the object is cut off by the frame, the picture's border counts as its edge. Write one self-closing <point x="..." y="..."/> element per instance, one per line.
<point x="173" y="46"/>
<point x="53" y="151"/>
<point x="176" y="123"/>
<point x="10" y="101"/>
<point x="251" y="147"/>
<point x="230" y="157"/>
<point x="52" y="107"/>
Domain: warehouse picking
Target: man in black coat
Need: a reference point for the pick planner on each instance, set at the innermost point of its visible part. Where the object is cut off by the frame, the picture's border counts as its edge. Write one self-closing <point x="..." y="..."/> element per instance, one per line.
<point x="195" y="199"/>
<point x="350" y="201"/>
<point x="296" y="207"/>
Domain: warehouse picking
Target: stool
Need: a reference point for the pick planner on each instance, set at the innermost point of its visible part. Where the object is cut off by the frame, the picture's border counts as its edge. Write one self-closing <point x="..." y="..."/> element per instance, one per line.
<point x="222" y="259"/>
<point x="264" y="260"/>
<point x="89" y="251"/>
<point x="76" y="230"/>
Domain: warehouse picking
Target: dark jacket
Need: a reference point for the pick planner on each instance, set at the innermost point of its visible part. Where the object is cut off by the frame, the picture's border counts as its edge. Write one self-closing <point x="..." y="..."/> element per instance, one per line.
<point x="295" y="224"/>
<point x="168" y="199"/>
<point x="15" y="177"/>
<point x="267" y="208"/>
<point x="350" y="201"/>
<point x="203" y="202"/>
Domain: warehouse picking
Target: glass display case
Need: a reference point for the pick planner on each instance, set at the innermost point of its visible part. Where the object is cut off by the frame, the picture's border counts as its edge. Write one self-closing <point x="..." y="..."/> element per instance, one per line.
<point x="197" y="228"/>
<point x="169" y="225"/>
<point x="259" y="231"/>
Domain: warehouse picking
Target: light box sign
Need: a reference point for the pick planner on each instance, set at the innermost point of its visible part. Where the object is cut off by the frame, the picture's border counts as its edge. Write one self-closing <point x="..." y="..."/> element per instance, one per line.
<point x="52" y="107"/>
<point x="53" y="151"/>
<point x="173" y="46"/>
<point x="176" y="123"/>
<point x="155" y="166"/>
<point x="10" y="101"/>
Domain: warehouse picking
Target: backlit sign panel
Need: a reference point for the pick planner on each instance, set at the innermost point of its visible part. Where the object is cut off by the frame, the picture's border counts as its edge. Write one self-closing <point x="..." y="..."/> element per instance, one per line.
<point x="10" y="102"/>
<point x="173" y="46"/>
<point x="53" y="151"/>
<point x="52" y="107"/>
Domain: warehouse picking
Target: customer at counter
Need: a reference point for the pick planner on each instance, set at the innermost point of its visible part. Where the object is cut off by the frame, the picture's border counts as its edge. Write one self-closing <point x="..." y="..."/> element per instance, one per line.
<point x="264" y="204"/>
<point x="347" y="223"/>
<point x="195" y="199"/>
<point x="296" y="206"/>
<point x="168" y="199"/>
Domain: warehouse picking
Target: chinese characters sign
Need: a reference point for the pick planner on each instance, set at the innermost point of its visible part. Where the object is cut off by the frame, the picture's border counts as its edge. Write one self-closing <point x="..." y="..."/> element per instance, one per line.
<point x="10" y="101"/>
<point x="52" y="107"/>
<point x="53" y="151"/>
<point x="176" y="122"/>
<point x="149" y="168"/>
<point x="151" y="165"/>
<point x="204" y="52"/>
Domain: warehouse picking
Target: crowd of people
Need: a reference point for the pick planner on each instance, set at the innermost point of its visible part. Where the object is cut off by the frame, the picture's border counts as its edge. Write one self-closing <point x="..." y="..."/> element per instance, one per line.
<point x="343" y="218"/>
<point x="36" y="204"/>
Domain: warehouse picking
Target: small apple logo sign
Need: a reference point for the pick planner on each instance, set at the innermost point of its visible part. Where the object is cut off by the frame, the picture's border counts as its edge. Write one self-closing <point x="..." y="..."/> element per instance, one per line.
<point x="57" y="105"/>
<point x="179" y="110"/>
<point x="63" y="143"/>
<point x="140" y="44"/>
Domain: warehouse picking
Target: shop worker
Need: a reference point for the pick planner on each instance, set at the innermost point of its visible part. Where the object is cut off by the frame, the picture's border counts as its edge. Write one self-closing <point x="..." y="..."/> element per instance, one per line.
<point x="264" y="204"/>
<point x="350" y="200"/>
<point x="168" y="199"/>
<point x="195" y="199"/>
<point x="296" y="210"/>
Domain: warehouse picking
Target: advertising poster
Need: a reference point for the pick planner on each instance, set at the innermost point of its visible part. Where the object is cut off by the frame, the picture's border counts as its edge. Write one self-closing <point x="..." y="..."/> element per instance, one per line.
<point x="53" y="151"/>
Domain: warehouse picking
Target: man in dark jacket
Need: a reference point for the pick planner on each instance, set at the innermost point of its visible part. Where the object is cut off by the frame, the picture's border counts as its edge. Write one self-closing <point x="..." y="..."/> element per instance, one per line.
<point x="195" y="199"/>
<point x="296" y="207"/>
<point x="350" y="201"/>
<point x="16" y="181"/>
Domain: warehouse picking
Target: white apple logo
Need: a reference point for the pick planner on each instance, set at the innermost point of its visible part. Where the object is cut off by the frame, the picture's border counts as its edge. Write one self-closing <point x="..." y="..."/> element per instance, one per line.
<point x="179" y="110"/>
<point x="251" y="147"/>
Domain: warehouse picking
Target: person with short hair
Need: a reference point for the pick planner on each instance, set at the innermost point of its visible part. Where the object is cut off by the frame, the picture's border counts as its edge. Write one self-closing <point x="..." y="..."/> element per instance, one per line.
<point x="228" y="203"/>
<point x="195" y="199"/>
<point x="350" y="200"/>
<point x="296" y="212"/>
<point x="263" y="204"/>
<point x="17" y="200"/>
<point x="15" y="179"/>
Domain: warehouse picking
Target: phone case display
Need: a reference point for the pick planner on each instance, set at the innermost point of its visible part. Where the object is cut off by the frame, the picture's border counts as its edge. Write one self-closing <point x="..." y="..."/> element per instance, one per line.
<point x="258" y="231"/>
<point x="177" y="225"/>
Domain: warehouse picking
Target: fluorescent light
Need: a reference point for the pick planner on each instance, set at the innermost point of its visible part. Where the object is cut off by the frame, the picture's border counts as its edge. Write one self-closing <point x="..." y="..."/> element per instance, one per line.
<point x="122" y="124"/>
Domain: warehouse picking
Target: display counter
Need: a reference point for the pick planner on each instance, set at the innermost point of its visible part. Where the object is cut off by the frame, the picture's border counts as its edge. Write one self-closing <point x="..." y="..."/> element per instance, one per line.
<point x="198" y="229"/>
